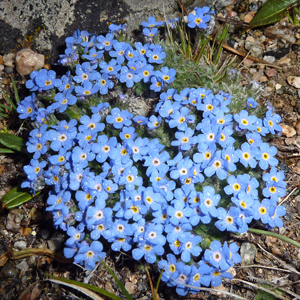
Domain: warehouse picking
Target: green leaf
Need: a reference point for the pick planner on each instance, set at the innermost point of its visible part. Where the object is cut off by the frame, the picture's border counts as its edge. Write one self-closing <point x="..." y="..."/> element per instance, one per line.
<point x="271" y="12"/>
<point x="82" y="287"/>
<point x="15" y="89"/>
<point x="120" y="284"/>
<point x="11" y="141"/>
<point x="6" y="151"/>
<point x="15" y="197"/>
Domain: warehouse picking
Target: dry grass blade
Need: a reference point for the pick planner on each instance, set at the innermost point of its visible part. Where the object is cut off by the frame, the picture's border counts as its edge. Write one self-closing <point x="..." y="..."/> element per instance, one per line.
<point x="32" y="251"/>
<point x="151" y="286"/>
<point x="211" y="290"/>
<point x="279" y="287"/>
<point x="28" y="289"/>
<point x="292" y="269"/>
<point x="83" y="290"/>
<point x="264" y="267"/>
<point x="258" y="287"/>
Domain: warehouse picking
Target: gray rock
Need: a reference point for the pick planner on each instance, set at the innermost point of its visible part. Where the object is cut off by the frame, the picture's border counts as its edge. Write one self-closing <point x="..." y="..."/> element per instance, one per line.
<point x="22" y="265"/>
<point x="248" y="253"/>
<point x="256" y="50"/>
<point x="48" y="23"/>
<point x="20" y="245"/>
<point x="269" y="59"/>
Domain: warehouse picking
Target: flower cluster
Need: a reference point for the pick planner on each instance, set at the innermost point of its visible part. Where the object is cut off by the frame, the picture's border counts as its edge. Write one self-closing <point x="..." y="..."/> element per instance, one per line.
<point x="149" y="183"/>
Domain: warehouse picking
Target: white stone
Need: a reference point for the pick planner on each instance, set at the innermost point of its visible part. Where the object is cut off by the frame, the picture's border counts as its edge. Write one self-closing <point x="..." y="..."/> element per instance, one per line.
<point x="28" y="61"/>
<point x="294" y="81"/>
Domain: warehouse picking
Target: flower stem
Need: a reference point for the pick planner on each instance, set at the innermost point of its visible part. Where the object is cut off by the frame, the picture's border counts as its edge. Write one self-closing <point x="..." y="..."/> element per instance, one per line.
<point x="275" y="235"/>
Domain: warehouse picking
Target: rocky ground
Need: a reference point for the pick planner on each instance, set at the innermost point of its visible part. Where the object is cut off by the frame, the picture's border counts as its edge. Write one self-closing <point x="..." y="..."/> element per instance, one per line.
<point x="269" y="57"/>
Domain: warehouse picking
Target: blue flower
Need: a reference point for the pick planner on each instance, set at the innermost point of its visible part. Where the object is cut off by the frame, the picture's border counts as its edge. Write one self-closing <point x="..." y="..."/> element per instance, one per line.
<point x="170" y="272"/>
<point x="236" y="185"/>
<point x="200" y="18"/>
<point x="83" y="155"/>
<point x="86" y="89"/>
<point x="209" y="200"/>
<point x="103" y="147"/>
<point x="146" y="72"/>
<point x="230" y="157"/>
<point x="189" y="244"/>
<point x="130" y="178"/>
<point x="100" y="108"/>
<point x="42" y="80"/>
<point x="26" y="107"/>
<point x="254" y="139"/>
<point x="105" y="42"/>
<point x="266" y="156"/>
<point x="260" y="128"/>
<point x="180" y="118"/>
<point x="156" y="161"/>
<point x="216" y="165"/>
<point x="129" y="76"/>
<point x="83" y="72"/>
<point x="216" y="277"/>
<point x="204" y="156"/>
<point x="119" y="51"/>
<point x="271" y="122"/>
<point x="247" y="155"/>
<point x="75" y="235"/>
<point x="156" y="83"/>
<point x="228" y="220"/>
<point x="134" y="210"/>
<point x="156" y="55"/>
<point x="215" y="256"/>
<point x="245" y="121"/>
<point x="199" y="276"/>
<point x="184" y="272"/>
<point x="119" y="118"/>
<point x="152" y="23"/>
<point x="264" y="210"/>
<point x="251" y="103"/>
<point x="138" y="148"/>
<point x="276" y="220"/>
<point x="179" y="213"/>
<point x="275" y="176"/>
<point x="113" y="28"/>
<point x="89" y="254"/>
<point x="97" y="214"/>
<point x="149" y="251"/>
<point x="61" y="158"/>
<point x="34" y="169"/>
<point x="150" y="32"/>
<point x="243" y="200"/>
<point x="104" y="83"/>
<point x="185" y="140"/>
<point x="153" y="122"/>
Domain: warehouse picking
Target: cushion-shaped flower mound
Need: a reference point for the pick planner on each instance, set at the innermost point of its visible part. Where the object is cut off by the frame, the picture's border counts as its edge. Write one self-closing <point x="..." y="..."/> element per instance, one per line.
<point x="148" y="184"/>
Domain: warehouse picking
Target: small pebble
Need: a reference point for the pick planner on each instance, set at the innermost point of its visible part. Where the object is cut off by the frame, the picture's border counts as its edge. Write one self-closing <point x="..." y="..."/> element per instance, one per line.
<point x="269" y="59"/>
<point x="9" y="70"/>
<point x="130" y="287"/>
<point x="28" y="61"/>
<point x="44" y="234"/>
<point x="55" y="243"/>
<point x="294" y="81"/>
<point x="288" y="131"/>
<point x="20" y="245"/>
<point x="248" y="253"/>
<point x="271" y="72"/>
<point x="22" y="265"/>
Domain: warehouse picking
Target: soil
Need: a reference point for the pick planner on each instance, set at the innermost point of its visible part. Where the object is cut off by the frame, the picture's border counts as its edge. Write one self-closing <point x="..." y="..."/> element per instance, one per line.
<point x="276" y="264"/>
